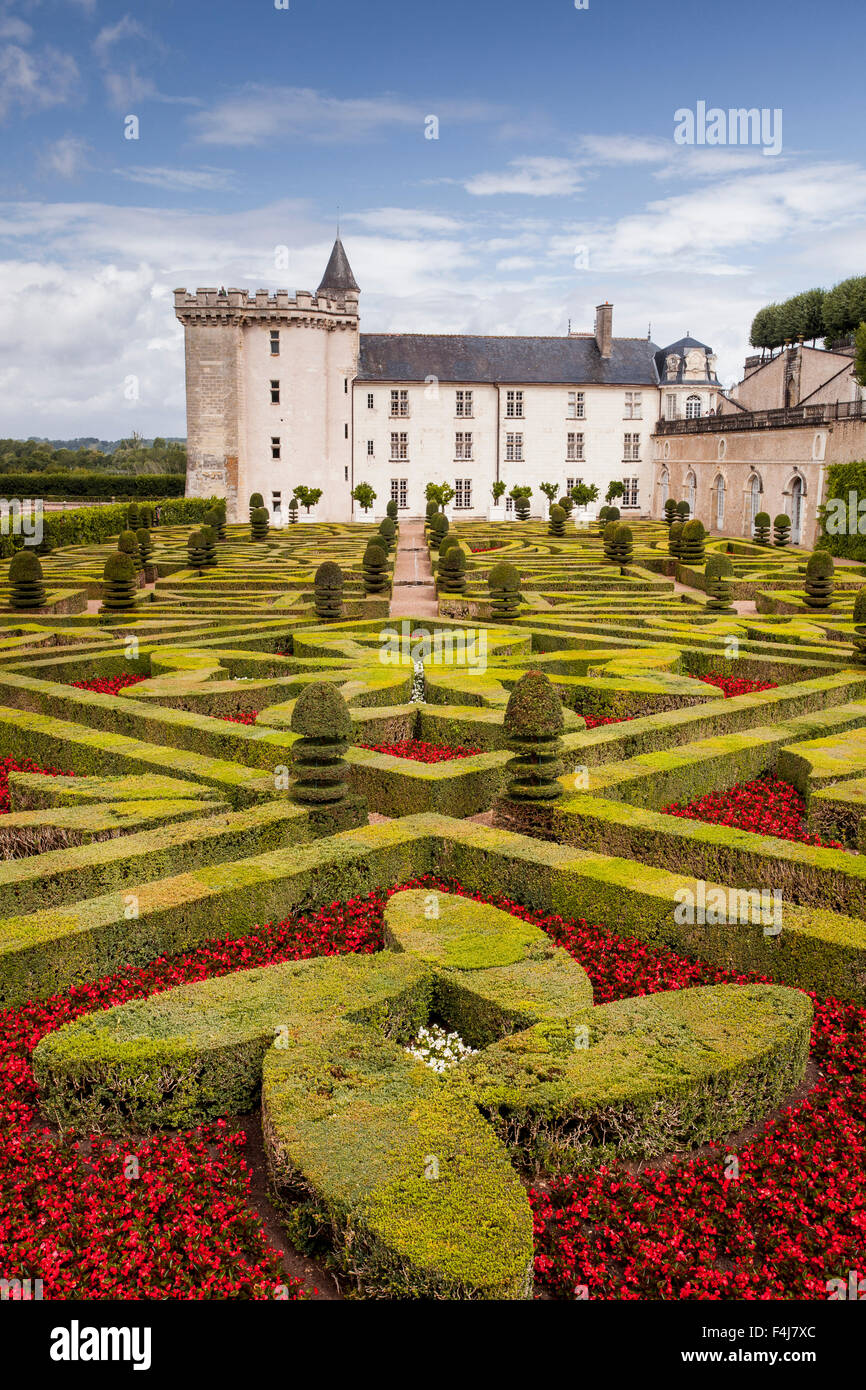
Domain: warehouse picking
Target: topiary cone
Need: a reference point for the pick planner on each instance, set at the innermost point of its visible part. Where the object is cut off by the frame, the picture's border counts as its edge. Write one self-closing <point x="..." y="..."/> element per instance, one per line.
<point x="670" y="515"/>
<point x="196" y="551"/>
<point x="25" y="578"/>
<point x="145" y="544"/>
<point x="119" y="584"/>
<point x="675" y="539"/>
<point x="328" y="592"/>
<point x="692" y="543"/>
<point x="533" y="724"/>
<point x="717" y="569"/>
<point x="208" y="535"/>
<point x="819" y="580"/>
<point x="451" y="574"/>
<point x="503" y="582"/>
<point x="321" y="716"/>
<point x="127" y="542"/>
<point x="439" y="526"/>
<point x="762" y="528"/>
<point x="556" y="521"/>
<point x="256" y="501"/>
<point x="607" y="539"/>
<point x="374" y="570"/>
<point x="782" y="529"/>
<point x="622" y="547"/>
<point x="259" y="523"/>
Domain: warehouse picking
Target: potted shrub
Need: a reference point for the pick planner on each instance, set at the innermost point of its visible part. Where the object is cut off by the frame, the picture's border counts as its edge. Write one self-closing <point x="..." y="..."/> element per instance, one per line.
<point x="520" y="496"/>
<point x="551" y="492"/>
<point x="497" y="511"/>
<point x="364" y="496"/>
<point x="308" y="497"/>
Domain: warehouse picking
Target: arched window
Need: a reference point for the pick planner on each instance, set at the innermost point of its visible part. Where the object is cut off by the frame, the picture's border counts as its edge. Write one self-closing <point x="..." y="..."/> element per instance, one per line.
<point x="664" y="486"/>
<point x="720" y="503"/>
<point x="693" y="408"/>
<point x="691" y="491"/>
<point x="755" y="490"/>
<point x="796" y="510"/>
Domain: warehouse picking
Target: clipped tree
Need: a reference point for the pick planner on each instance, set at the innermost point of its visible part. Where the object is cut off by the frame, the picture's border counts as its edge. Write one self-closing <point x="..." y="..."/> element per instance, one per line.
<point x="391" y="509"/>
<point x="440" y="493"/>
<point x="307" y="496"/>
<point x="556" y="521"/>
<point x="520" y="496"/>
<point x="819" y="580"/>
<point x="566" y="502"/>
<point x="215" y="518"/>
<point x="845" y="309"/>
<point x="675" y="539"/>
<point x="145" y="544"/>
<point x="145" y="515"/>
<point x="374" y="570"/>
<point x="498" y="491"/>
<point x="622" y="546"/>
<point x="260" y="522"/>
<point x="550" y="491"/>
<point x="133" y="516"/>
<point x="782" y="530"/>
<point x="26" y="581"/>
<point x="293" y="511"/>
<point x="692" y="543"/>
<point x="451" y="571"/>
<point x="860" y="627"/>
<point x="209" y="536"/>
<point x="503" y="581"/>
<point x="717" y="571"/>
<point x="364" y="495"/>
<point x="127" y="541"/>
<point x="196" y="552"/>
<point x="670" y="515"/>
<point x="438" y="529"/>
<point x="607" y="539"/>
<point x="328" y="592"/>
<point x="683" y="511"/>
<point x="614" y="489"/>
<point x="256" y="501"/>
<point x="762" y="526"/>
<point x="321" y="716"/>
<point x="387" y="532"/>
<point x="119" y="584"/>
<point x="534" y="722"/>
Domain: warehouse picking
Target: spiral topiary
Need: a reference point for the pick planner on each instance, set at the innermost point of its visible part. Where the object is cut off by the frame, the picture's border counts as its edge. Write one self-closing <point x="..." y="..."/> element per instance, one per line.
<point x="782" y="529"/>
<point x="521" y="508"/>
<point x="216" y="520"/>
<point x="386" y="534"/>
<point x="260" y="521"/>
<point x="145" y="515"/>
<point x="675" y="539"/>
<point x="683" y="511"/>
<point x="503" y="582"/>
<point x="256" y="501"/>
<point x="196" y="551"/>
<point x="133" y="516"/>
<point x="606" y="514"/>
<point x="556" y="521"/>
<point x="533" y="724"/>
<point x="127" y="541"/>
<point x="860" y="627"/>
<point x="438" y="529"/>
<point x="321" y="716"/>
<point x="328" y="592"/>
<point x="451" y="573"/>
<point x="670" y="512"/>
<point x="25" y="577"/>
<point x="446" y="543"/>
<point x="692" y="543"/>
<point x="717" y="570"/>
<point x="119" y="583"/>
<point x="762" y="528"/>
<point x="209" y="536"/>
<point x="566" y="502"/>
<point x="374" y="570"/>
<point x="819" y="579"/>
<point x="607" y="538"/>
<point x="622" y="547"/>
<point x="145" y="544"/>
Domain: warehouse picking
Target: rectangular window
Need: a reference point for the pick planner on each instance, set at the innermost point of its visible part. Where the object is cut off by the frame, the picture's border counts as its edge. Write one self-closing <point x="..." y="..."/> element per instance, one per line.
<point x="345" y="386"/>
<point x="276" y="498"/>
<point x="462" y="492"/>
<point x="514" y="448"/>
<point x="576" y="403"/>
<point x="509" y="505"/>
<point x="275" y="342"/>
<point x="399" y="446"/>
<point x="399" y="402"/>
<point x="275" y="393"/>
<point x="633" y="405"/>
<point x="369" y="400"/>
<point x="346" y="431"/>
<point x="631" y="448"/>
<point x="572" y="483"/>
<point x="671" y="411"/>
<point x="275" y="446"/>
<point x="346" y="473"/>
<point x="574" y="448"/>
<point x="369" y="448"/>
<point x="514" y="404"/>
<point x="464" y="404"/>
<point x="462" y="445"/>
<point x="400" y="492"/>
<point x="629" y="495"/>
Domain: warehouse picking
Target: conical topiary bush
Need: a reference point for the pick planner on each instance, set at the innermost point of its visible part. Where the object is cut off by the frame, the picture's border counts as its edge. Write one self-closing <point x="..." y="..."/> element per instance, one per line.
<point x="762" y="528"/>
<point x="145" y="544"/>
<point x="259" y="523"/>
<point x="145" y="515"/>
<point x="328" y="592"/>
<point x="26" y="580"/>
<point x="321" y="716"/>
<point x="386" y="533"/>
<point x="782" y="529"/>
<point x="860" y="627"/>
<point x="127" y="542"/>
<point x="503" y="582"/>
<point x="556" y="521"/>
<point x="607" y="539"/>
<point x="693" y="543"/>
<point x="215" y="519"/>
<point x="438" y="529"/>
<point x="533" y="724"/>
<point x="717" y="570"/>
<point x="208" y="535"/>
<point x="819" y="580"/>
<point x="196" y="551"/>
<point x="451" y="574"/>
<point x="133" y="516"/>
<point x="675" y="539"/>
<point x="374" y="570"/>
<point x="119" y="584"/>
<point x="622" y="546"/>
<point x="670" y="512"/>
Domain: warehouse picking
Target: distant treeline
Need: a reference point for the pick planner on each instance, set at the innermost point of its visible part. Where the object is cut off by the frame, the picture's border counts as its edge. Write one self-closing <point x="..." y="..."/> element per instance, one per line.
<point x="120" y="485"/>
<point x="130" y="456"/>
<point x="834" y="315"/>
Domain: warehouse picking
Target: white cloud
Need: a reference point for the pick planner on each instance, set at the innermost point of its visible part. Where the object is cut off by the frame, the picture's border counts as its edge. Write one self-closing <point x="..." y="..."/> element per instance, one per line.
<point x="13" y="28"/>
<point x="204" y="179"/>
<point x="125" y="28"/>
<point x="537" y="177"/>
<point x="35" y="80"/>
<point x="404" y="221"/>
<point x="66" y="157"/>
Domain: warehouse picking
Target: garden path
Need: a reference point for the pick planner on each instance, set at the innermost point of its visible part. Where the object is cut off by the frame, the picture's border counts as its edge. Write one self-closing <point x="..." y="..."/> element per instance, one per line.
<point x="414" y="593"/>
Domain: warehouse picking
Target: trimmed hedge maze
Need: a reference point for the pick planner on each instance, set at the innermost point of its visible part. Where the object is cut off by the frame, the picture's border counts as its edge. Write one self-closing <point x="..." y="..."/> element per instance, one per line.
<point x="603" y="817"/>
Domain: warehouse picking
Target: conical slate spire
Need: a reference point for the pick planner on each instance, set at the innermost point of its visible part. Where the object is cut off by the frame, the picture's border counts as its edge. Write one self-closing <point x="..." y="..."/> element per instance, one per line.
<point x="338" y="273"/>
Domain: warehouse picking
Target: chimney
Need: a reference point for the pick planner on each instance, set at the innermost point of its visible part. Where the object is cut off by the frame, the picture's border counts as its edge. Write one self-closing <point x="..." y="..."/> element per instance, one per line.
<point x="604" y="328"/>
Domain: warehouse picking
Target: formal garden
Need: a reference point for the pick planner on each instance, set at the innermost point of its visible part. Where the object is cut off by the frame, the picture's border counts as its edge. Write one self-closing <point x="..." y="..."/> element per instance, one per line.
<point x="497" y="932"/>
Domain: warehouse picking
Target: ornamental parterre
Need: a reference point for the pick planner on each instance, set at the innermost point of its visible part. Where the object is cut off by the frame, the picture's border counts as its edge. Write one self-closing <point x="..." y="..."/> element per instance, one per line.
<point x="459" y="941"/>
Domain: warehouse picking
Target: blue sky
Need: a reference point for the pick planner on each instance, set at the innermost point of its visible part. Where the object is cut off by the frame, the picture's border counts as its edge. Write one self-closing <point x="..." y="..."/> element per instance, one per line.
<point x="555" y="180"/>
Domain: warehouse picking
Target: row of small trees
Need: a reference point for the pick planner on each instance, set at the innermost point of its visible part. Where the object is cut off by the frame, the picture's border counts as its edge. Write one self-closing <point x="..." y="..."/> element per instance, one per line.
<point x="443" y="493"/>
<point x="831" y="314"/>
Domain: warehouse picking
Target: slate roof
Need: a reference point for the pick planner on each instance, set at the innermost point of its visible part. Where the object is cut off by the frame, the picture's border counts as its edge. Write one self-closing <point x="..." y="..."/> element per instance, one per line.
<point x="546" y="361"/>
<point x="338" y="273"/>
<point x="681" y="347"/>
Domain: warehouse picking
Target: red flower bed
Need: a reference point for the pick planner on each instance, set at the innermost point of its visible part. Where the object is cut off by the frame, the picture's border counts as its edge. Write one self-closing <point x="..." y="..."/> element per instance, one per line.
<point x="8" y="765"/>
<point x="420" y="752"/>
<point x="109" y="685"/>
<point x="737" y="685"/>
<point x="243" y="716"/>
<point x="766" y="806"/>
<point x="483" y="549"/>
<point x="593" y="723"/>
<point x="794" y="1218"/>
